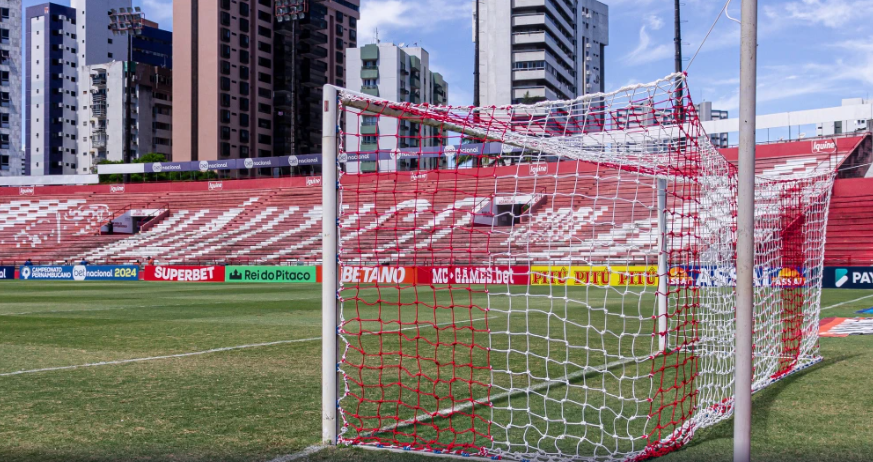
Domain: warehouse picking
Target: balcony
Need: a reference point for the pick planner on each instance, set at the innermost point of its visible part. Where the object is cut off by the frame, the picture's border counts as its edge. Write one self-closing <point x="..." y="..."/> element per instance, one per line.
<point x="311" y="51"/>
<point x="368" y="73"/>
<point x="98" y="111"/>
<point x="371" y="90"/>
<point x="313" y="37"/>
<point x="99" y="140"/>
<point x="98" y="80"/>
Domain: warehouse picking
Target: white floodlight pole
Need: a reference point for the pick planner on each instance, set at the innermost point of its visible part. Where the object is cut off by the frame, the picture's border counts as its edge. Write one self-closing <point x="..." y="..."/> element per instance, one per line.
<point x="329" y="296"/>
<point x="746" y="233"/>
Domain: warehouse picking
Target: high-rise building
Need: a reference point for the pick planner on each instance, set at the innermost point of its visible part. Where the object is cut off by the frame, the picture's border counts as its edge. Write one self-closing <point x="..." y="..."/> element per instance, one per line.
<point x="223" y="77"/>
<point x="10" y="87"/>
<point x="104" y="94"/>
<point x="51" y="90"/>
<point x="396" y="74"/>
<point x="153" y="46"/>
<point x="706" y="113"/>
<point x="61" y="43"/>
<point x="309" y="53"/>
<point x="535" y="50"/>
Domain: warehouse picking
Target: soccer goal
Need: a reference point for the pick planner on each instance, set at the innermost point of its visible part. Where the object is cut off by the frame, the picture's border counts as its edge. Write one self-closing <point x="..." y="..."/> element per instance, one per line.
<point x="552" y="281"/>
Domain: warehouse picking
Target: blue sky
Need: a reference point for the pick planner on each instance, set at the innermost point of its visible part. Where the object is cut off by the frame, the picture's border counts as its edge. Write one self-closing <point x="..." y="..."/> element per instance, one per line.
<point x="812" y="53"/>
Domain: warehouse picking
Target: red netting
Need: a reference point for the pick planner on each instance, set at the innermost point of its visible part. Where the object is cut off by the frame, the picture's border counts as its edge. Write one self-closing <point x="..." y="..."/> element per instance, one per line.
<point x="556" y="280"/>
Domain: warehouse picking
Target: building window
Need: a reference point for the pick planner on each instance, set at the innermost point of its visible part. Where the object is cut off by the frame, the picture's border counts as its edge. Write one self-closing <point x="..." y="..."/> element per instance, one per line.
<point x="339" y="71"/>
<point x="265" y="78"/>
<point x="264" y="108"/>
<point x="265" y="62"/>
<point x="244" y="88"/>
<point x="243" y="136"/>
<point x="225" y="84"/>
<point x="265" y="139"/>
<point x="225" y="149"/>
<point x="264" y="31"/>
<point x="225" y="133"/>
<point x="339" y="30"/>
<point x="225" y="68"/>
<point x="225" y="18"/>
<point x="244" y="72"/>
<point x="244" y="40"/>
<point x="244" y="57"/>
<point x="243" y="25"/>
<point x="225" y="34"/>
<point x="244" y="104"/>
<point x="225" y="100"/>
<point x="225" y="116"/>
<point x="265" y="124"/>
<point x="244" y="9"/>
<point x="225" y="51"/>
<point x="265" y="47"/>
<point x="244" y="120"/>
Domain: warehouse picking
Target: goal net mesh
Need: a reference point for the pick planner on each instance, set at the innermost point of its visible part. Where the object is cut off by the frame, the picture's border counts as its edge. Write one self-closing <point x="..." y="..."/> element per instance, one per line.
<point x="556" y="281"/>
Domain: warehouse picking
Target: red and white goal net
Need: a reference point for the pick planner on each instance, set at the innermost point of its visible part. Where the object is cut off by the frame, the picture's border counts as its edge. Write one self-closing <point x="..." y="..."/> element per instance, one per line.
<point x="555" y="281"/>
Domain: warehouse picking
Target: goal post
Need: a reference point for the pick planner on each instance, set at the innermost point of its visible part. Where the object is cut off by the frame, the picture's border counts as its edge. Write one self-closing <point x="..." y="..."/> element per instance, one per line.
<point x="552" y="281"/>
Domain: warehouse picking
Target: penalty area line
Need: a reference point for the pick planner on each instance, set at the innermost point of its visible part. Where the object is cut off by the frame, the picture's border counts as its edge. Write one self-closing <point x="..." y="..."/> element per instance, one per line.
<point x="156" y="358"/>
<point x="299" y="455"/>
<point x="846" y="302"/>
<point x="184" y="355"/>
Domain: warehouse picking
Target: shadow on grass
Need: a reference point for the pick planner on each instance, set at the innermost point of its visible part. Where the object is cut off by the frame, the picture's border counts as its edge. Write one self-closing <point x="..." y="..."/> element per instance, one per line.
<point x="762" y="405"/>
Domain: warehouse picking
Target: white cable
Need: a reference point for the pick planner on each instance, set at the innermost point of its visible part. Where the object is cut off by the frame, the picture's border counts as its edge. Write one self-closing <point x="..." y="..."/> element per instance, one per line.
<point x="723" y="11"/>
<point x="728" y="15"/>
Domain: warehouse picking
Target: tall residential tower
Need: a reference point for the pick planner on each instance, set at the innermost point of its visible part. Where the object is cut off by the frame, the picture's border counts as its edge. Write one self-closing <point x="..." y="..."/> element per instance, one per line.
<point x="10" y="87"/>
<point x="223" y="78"/>
<point x="532" y="50"/>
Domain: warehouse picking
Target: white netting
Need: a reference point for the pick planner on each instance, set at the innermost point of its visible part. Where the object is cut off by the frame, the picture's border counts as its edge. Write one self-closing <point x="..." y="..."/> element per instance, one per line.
<point x="555" y="281"/>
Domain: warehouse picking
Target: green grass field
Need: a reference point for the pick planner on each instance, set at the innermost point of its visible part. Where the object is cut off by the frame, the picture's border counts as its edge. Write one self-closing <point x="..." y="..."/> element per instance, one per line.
<point x="262" y="401"/>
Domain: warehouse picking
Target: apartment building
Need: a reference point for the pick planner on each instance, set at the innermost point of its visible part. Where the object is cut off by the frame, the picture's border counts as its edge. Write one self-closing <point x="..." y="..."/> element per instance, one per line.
<point x="534" y="50"/>
<point x="102" y="135"/>
<point x="397" y="74"/>
<point x="10" y="88"/>
<point x="51" y="90"/>
<point x="309" y="53"/>
<point x="223" y="77"/>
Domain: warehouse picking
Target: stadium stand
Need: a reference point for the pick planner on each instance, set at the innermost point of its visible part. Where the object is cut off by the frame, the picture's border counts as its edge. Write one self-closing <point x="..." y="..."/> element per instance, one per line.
<point x="278" y="221"/>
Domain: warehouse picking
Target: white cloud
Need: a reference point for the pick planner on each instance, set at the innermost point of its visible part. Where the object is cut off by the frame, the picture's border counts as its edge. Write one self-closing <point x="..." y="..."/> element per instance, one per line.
<point x="645" y="52"/>
<point x="394" y="16"/>
<point x="830" y="13"/>
<point x="655" y="22"/>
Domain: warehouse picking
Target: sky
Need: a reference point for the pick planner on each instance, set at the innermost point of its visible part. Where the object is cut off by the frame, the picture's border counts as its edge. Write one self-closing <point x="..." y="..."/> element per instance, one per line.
<point x="812" y="53"/>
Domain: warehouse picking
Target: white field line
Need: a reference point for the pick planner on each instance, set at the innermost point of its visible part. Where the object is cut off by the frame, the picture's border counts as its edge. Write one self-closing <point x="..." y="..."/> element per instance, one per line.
<point x="846" y="302"/>
<point x="299" y="455"/>
<point x="557" y="382"/>
<point x="155" y="358"/>
<point x="193" y="304"/>
<point x="183" y="355"/>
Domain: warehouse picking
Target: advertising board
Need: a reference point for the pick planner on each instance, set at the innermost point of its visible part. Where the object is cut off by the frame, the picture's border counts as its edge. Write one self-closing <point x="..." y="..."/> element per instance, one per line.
<point x="184" y="273"/>
<point x="7" y="272"/>
<point x="848" y="277"/>
<point x="79" y="273"/>
<point x="617" y="276"/>
<point x="462" y="275"/>
<point x="271" y="274"/>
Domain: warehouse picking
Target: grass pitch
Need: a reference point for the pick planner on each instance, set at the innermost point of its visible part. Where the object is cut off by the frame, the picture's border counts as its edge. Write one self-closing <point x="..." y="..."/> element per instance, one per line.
<point x="261" y="400"/>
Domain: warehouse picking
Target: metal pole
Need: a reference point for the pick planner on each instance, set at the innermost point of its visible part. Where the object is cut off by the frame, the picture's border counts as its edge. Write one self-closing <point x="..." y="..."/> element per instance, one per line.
<point x="329" y="307"/>
<point x="663" y="263"/>
<point x="476" y="99"/>
<point x="127" y="110"/>
<point x="746" y="233"/>
<point x="663" y="270"/>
